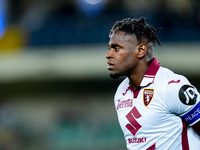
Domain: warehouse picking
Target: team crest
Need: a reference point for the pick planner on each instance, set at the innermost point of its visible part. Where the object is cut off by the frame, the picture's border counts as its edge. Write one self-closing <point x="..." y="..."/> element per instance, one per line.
<point x="148" y="96"/>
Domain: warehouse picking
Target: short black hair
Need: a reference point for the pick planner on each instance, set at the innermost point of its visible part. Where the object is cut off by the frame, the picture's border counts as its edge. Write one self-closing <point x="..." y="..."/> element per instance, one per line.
<point x="138" y="27"/>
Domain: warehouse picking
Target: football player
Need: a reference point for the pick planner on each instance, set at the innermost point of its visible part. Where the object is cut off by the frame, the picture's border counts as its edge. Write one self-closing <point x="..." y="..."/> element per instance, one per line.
<point x="156" y="108"/>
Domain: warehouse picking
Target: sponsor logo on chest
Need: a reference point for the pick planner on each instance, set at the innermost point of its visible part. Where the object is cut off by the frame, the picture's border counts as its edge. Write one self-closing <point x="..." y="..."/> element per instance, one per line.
<point x="124" y="103"/>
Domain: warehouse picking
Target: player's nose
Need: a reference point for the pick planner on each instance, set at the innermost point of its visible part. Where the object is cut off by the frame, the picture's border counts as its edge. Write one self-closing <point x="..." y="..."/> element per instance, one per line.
<point x="109" y="54"/>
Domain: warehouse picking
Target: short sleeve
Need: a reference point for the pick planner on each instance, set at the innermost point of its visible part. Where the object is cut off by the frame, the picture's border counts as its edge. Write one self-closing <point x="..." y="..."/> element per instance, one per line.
<point x="182" y="99"/>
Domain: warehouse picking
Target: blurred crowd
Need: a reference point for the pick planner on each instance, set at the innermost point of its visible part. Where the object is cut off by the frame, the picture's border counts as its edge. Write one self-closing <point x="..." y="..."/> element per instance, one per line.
<point x="53" y="22"/>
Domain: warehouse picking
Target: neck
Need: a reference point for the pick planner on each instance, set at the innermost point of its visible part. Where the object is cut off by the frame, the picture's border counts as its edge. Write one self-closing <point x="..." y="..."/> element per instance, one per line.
<point x="137" y="76"/>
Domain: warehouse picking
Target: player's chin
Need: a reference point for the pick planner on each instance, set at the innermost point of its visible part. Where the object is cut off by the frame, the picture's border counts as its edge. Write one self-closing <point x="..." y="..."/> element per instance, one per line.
<point x="114" y="75"/>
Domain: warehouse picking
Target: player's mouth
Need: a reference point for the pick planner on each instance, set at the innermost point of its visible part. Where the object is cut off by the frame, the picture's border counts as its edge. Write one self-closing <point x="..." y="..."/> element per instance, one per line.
<point x="110" y="65"/>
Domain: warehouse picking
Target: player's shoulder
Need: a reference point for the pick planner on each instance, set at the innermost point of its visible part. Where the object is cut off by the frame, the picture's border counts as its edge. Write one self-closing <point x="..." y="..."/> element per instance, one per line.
<point x="123" y="85"/>
<point x="176" y="91"/>
<point x="170" y="80"/>
<point x="125" y="82"/>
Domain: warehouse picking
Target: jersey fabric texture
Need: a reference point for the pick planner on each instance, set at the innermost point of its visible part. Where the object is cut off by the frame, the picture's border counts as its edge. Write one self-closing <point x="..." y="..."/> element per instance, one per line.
<point x="159" y="113"/>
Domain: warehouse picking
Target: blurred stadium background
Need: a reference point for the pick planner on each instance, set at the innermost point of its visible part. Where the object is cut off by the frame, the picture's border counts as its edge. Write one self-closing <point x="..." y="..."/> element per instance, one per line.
<point x="55" y="92"/>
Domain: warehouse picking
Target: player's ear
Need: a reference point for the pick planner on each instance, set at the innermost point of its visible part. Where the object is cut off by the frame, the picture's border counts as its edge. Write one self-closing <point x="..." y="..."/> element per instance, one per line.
<point x="142" y="49"/>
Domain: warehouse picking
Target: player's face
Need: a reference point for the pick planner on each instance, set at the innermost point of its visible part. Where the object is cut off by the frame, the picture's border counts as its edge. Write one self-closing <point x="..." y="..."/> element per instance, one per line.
<point x="122" y="59"/>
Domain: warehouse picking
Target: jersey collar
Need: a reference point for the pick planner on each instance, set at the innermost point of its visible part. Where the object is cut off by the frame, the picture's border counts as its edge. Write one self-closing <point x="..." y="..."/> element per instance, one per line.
<point x="151" y="73"/>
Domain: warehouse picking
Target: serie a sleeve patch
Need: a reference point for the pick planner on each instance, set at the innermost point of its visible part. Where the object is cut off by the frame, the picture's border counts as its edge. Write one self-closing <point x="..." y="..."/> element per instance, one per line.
<point x="192" y="116"/>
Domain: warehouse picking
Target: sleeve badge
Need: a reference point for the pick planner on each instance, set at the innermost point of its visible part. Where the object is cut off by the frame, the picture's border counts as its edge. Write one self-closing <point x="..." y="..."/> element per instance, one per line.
<point x="188" y="95"/>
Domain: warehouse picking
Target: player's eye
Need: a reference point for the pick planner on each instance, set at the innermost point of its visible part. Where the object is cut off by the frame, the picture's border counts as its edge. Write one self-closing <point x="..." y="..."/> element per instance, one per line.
<point x="117" y="48"/>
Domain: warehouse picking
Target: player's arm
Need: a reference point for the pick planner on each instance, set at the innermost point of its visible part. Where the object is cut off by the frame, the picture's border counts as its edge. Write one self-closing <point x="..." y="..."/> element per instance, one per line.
<point x="183" y="99"/>
<point x="192" y="116"/>
<point x="196" y="127"/>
